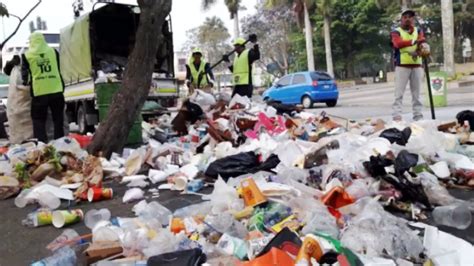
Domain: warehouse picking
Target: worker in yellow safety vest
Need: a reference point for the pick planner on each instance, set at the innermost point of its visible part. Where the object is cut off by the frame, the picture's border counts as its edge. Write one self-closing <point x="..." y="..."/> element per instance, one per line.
<point x="40" y="70"/>
<point x="242" y="67"/>
<point x="198" y="72"/>
<point x="409" y="45"/>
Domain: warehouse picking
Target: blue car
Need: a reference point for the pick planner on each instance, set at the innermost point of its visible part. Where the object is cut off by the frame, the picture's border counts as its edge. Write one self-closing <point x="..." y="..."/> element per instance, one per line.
<point x="304" y="88"/>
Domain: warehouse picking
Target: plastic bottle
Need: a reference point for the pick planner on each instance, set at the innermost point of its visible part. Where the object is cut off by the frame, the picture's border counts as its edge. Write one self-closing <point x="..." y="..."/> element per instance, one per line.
<point x="48" y="200"/>
<point x="38" y="218"/>
<point x="64" y="256"/>
<point x="457" y="215"/>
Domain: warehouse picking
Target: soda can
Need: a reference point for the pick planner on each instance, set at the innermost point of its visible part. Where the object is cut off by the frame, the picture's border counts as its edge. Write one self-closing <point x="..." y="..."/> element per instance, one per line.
<point x="62" y="218"/>
<point x="98" y="193"/>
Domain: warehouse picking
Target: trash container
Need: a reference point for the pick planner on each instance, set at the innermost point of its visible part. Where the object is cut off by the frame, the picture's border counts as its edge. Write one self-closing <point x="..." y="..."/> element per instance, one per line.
<point x="439" y="89"/>
<point x="105" y="93"/>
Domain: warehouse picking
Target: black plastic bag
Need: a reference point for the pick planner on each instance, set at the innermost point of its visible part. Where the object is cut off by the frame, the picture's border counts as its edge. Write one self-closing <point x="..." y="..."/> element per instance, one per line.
<point x="240" y="164"/>
<point x="376" y="165"/>
<point x="285" y="240"/>
<point x="466" y="115"/>
<point x="410" y="191"/>
<point x="397" y="136"/>
<point x="191" y="257"/>
<point x="404" y="162"/>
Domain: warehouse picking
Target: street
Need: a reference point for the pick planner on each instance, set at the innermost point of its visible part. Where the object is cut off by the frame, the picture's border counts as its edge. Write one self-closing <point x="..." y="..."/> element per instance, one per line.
<point x="375" y="101"/>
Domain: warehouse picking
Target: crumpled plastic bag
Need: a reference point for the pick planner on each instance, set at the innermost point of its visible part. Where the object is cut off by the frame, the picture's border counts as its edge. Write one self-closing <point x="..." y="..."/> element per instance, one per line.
<point x="466" y="115"/>
<point x="404" y="162"/>
<point x="396" y="136"/>
<point x="436" y="193"/>
<point x="240" y="164"/>
<point x="374" y="231"/>
<point x="222" y="197"/>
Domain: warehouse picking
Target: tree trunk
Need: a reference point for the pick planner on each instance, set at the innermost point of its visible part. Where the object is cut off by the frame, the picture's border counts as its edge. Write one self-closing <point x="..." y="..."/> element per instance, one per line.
<point x="309" y="39"/>
<point x="112" y="133"/>
<point x="327" y="44"/>
<point x="236" y="25"/>
<point x="447" y="19"/>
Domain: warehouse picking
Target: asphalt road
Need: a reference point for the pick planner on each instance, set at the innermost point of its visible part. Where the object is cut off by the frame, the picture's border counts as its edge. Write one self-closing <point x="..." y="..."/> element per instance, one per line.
<point x="375" y="101"/>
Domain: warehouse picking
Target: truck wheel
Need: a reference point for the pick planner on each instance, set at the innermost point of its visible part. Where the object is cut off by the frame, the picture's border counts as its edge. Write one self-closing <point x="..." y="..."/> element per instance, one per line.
<point x="82" y="121"/>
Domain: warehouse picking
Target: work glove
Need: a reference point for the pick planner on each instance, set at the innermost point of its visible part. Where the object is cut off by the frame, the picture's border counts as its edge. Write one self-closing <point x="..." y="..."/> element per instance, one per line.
<point x="188" y="83"/>
<point x="225" y="58"/>
<point x="425" y="50"/>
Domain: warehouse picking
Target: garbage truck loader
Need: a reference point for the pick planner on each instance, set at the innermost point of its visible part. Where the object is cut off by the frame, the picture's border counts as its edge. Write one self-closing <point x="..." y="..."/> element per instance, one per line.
<point x="93" y="56"/>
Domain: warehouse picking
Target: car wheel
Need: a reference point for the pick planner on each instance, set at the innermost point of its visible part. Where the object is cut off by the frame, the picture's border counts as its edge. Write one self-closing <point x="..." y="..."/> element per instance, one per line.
<point x="331" y="103"/>
<point x="82" y="121"/>
<point x="306" y="102"/>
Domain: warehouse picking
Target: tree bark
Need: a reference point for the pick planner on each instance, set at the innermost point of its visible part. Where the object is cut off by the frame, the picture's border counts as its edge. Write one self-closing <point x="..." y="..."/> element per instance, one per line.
<point x="112" y="133"/>
<point x="309" y="39"/>
<point x="327" y="44"/>
<point x="236" y="25"/>
<point x="447" y="19"/>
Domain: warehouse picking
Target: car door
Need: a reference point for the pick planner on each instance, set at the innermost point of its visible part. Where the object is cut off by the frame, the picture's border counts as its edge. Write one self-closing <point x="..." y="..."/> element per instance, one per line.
<point x="282" y="92"/>
<point x="298" y="88"/>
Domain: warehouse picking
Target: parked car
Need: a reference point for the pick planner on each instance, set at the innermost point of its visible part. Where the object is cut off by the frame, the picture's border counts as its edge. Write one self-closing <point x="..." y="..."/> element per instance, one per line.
<point x="304" y="88"/>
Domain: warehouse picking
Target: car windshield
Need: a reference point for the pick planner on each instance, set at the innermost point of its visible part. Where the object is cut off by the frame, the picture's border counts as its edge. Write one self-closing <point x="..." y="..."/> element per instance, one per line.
<point x="319" y="75"/>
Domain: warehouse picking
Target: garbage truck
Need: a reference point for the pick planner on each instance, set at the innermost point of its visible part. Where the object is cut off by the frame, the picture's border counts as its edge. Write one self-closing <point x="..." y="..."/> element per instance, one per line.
<point x="93" y="55"/>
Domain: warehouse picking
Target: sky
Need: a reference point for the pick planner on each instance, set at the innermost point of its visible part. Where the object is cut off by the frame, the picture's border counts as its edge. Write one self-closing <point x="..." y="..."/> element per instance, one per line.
<point x="185" y="14"/>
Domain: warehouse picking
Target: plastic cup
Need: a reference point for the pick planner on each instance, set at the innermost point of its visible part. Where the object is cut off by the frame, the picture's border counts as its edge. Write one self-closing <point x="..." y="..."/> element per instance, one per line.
<point x="93" y="217"/>
<point x="48" y="200"/>
<point x="180" y="182"/>
<point x="98" y="193"/>
<point x="21" y="200"/>
<point x="457" y="216"/>
<point x="62" y="218"/>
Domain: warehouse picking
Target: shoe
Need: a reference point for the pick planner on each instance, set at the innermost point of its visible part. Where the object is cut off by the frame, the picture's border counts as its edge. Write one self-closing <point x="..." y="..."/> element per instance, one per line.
<point x="418" y="118"/>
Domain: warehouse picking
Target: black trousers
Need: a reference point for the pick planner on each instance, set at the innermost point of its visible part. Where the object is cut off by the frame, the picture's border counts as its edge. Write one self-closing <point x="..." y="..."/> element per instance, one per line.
<point x="243" y="90"/>
<point x="39" y="114"/>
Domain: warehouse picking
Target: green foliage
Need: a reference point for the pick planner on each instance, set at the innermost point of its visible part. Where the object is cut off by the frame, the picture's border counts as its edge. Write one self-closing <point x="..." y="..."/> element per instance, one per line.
<point x="22" y="174"/>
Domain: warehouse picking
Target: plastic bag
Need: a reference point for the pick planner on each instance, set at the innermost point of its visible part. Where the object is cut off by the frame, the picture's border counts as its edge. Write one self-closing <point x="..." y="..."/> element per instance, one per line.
<point x="466" y="115"/>
<point x="240" y="164"/>
<point x="397" y="136"/>
<point x="404" y="162"/>
<point x="222" y="196"/>
<point x="375" y="232"/>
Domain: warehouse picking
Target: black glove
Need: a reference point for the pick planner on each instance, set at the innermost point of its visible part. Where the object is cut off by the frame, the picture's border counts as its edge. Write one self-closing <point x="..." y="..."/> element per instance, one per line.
<point x="226" y="58"/>
<point x="253" y="38"/>
<point x="255" y="47"/>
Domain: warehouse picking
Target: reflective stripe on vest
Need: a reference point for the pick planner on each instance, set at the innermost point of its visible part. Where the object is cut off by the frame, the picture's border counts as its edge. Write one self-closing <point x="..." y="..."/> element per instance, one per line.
<point x="195" y="73"/>
<point x="45" y="73"/>
<point x="241" y="69"/>
<point x="405" y="57"/>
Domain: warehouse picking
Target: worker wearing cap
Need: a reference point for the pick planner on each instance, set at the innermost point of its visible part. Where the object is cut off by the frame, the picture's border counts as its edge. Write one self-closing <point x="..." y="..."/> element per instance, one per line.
<point x="406" y="42"/>
<point x="40" y="70"/>
<point x="198" y="72"/>
<point x="242" y="67"/>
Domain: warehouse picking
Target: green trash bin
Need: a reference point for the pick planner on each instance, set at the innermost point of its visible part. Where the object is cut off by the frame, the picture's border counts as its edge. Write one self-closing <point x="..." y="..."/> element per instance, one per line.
<point x="105" y="93"/>
<point x="439" y="89"/>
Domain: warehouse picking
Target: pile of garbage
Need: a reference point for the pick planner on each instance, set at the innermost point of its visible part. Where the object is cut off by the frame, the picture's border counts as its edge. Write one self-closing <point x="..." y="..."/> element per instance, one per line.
<point x="289" y="187"/>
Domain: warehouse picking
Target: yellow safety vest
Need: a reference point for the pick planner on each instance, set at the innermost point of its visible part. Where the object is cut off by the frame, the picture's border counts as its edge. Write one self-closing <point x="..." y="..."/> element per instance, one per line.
<point x="195" y="73"/>
<point x="45" y="75"/>
<point x="405" y="57"/>
<point x="241" y="69"/>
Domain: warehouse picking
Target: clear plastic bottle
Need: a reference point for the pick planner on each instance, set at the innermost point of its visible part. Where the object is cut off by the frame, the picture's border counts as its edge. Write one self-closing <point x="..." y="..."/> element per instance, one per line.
<point x="38" y="218"/>
<point x="65" y="256"/>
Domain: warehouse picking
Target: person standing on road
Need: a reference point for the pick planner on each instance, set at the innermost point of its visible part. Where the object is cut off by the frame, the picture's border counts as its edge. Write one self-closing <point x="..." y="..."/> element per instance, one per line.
<point x="198" y="72"/>
<point x="406" y="41"/>
<point x="242" y="67"/>
<point x="20" y="126"/>
<point x="41" y="70"/>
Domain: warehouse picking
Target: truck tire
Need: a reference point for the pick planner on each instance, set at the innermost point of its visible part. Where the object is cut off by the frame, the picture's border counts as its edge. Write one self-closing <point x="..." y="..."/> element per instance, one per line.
<point x="82" y="121"/>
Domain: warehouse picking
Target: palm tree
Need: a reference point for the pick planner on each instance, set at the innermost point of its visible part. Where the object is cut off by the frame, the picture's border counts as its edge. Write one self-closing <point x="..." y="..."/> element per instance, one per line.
<point x="447" y="19"/>
<point x="233" y="6"/>
<point x="301" y="9"/>
<point x="325" y="8"/>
